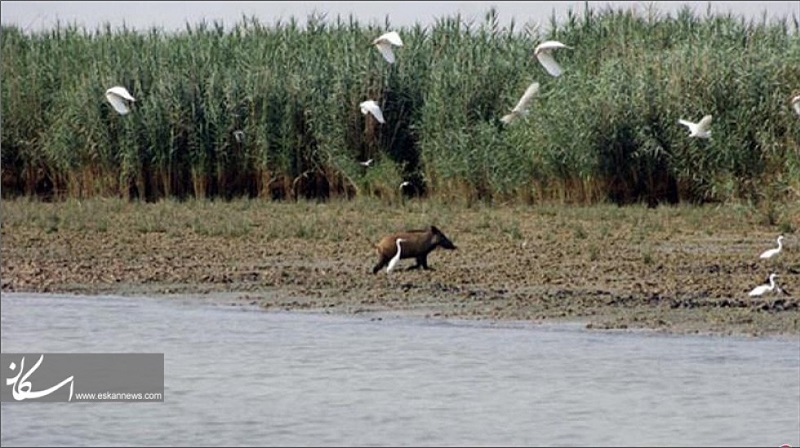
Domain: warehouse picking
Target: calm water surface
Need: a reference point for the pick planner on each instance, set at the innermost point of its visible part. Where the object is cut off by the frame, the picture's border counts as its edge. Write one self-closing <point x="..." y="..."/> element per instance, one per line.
<point x="242" y="376"/>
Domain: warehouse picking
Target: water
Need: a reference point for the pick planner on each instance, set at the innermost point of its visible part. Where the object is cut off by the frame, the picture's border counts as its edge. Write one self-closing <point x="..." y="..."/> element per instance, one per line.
<point x="241" y="376"/>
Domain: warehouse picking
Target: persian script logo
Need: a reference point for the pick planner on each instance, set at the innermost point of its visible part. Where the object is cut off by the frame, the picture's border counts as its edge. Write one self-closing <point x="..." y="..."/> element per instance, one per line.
<point x="22" y="389"/>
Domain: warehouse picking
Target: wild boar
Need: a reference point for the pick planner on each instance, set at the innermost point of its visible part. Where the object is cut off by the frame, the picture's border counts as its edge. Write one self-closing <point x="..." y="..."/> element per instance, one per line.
<point x="417" y="244"/>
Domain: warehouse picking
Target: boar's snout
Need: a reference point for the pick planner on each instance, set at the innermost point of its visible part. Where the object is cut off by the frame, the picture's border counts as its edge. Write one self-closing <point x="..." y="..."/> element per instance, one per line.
<point x="447" y="244"/>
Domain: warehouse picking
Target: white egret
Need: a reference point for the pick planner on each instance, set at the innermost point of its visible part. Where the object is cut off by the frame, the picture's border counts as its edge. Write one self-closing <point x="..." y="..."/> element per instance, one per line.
<point x="543" y="54"/>
<point x="119" y="96"/>
<point x="404" y="186"/>
<point x="770" y="253"/>
<point x="384" y="45"/>
<point x="239" y="135"/>
<point x="372" y="107"/>
<point x="758" y="290"/>
<point x="701" y="129"/>
<point x="396" y="257"/>
<point x="366" y="163"/>
<point x="522" y="105"/>
<point x="796" y="104"/>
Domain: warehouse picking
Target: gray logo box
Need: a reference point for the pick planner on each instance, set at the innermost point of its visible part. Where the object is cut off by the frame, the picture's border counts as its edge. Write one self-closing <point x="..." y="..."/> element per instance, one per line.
<point x="81" y="377"/>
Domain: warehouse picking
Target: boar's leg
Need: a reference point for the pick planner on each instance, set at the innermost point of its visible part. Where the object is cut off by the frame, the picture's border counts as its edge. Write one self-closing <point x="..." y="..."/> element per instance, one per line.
<point x="422" y="262"/>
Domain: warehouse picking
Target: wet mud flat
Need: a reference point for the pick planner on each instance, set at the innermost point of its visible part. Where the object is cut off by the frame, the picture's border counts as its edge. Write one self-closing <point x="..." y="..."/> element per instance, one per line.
<point x="674" y="269"/>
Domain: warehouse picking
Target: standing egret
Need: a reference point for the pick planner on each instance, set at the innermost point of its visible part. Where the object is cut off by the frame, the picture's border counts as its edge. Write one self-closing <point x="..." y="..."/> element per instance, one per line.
<point x="522" y="105"/>
<point x="758" y="290"/>
<point x="384" y="45"/>
<point x="701" y="129"/>
<point x="118" y="96"/>
<point x="542" y="53"/>
<point x="396" y="257"/>
<point x="770" y="253"/>
<point x="239" y="135"/>
<point x="796" y="104"/>
<point x="372" y="107"/>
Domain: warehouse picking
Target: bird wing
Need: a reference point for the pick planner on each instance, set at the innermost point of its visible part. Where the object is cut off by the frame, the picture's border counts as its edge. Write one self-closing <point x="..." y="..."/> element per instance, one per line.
<point x="121" y="92"/>
<point x="704" y="124"/>
<point x="549" y="45"/>
<point x="550" y="64"/>
<point x="386" y="51"/>
<point x="522" y="104"/>
<point x="508" y="118"/>
<point x="688" y="124"/>
<point x="391" y="37"/>
<point x="118" y="103"/>
<point x="374" y="109"/>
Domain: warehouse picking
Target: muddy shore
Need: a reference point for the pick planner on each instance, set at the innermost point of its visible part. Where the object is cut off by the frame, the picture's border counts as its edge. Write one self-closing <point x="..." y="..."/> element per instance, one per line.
<point x="680" y="269"/>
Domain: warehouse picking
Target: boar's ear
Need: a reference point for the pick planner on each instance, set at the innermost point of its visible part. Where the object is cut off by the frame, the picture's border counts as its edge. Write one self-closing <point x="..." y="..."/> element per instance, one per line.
<point x="435" y="230"/>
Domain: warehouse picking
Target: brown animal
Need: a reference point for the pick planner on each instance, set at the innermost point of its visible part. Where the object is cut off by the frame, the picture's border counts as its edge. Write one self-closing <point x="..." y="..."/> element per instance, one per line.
<point x="418" y="244"/>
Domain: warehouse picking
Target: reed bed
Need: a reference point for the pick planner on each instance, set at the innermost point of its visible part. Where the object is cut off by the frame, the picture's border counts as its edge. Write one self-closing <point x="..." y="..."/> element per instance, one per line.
<point x="606" y="130"/>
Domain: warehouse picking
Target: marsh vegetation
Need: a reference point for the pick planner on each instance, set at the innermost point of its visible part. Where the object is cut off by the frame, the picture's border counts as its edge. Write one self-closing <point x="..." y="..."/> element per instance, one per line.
<point x="271" y="111"/>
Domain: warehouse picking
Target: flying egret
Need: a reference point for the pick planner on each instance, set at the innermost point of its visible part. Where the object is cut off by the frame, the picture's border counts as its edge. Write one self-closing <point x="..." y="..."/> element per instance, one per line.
<point x="796" y="104"/>
<point x="366" y="163"/>
<point x="396" y="257"/>
<point x="542" y="53"/>
<point x="372" y="107"/>
<point x="522" y="105"/>
<point x="769" y="253"/>
<point x="758" y="290"/>
<point x="118" y="96"/>
<point x="701" y="129"/>
<point x="384" y="45"/>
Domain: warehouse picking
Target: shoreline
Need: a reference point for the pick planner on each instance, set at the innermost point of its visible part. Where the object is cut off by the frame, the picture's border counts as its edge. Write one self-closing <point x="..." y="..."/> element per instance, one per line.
<point x="236" y="300"/>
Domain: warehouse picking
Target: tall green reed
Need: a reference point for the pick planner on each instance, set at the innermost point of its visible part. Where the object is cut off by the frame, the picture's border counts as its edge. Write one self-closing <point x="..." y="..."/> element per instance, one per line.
<point x="272" y="110"/>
